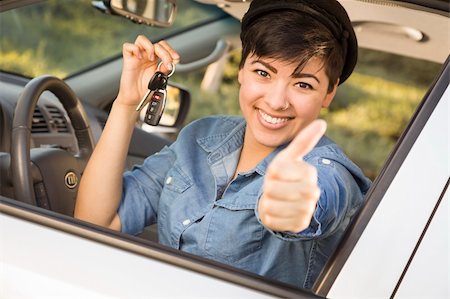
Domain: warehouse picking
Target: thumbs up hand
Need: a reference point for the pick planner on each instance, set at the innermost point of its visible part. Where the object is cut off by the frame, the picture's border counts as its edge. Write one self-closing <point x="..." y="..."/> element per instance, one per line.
<point x="290" y="191"/>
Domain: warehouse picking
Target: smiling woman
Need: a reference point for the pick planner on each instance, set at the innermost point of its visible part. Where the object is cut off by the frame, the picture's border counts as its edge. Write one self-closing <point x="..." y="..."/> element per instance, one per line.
<point x="266" y="172"/>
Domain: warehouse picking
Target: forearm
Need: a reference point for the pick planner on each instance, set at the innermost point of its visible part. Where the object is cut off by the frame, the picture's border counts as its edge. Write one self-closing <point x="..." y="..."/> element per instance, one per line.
<point x="101" y="185"/>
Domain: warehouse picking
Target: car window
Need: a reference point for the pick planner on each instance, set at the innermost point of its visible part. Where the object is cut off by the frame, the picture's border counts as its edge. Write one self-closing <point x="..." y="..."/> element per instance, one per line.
<point x="64" y="37"/>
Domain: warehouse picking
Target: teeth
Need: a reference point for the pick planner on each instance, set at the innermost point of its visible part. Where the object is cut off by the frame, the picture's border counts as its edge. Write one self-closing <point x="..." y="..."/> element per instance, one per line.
<point x="271" y="119"/>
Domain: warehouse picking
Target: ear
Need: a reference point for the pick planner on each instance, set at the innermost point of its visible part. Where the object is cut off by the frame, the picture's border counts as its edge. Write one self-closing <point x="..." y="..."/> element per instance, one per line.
<point x="241" y="69"/>
<point x="330" y="96"/>
<point x="240" y="76"/>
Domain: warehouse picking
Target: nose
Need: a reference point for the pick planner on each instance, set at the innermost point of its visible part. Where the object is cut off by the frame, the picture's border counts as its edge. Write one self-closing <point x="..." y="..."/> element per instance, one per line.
<point x="277" y="97"/>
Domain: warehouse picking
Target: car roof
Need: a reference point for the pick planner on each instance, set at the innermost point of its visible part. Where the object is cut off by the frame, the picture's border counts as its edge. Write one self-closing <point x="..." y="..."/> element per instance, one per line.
<point x="418" y="23"/>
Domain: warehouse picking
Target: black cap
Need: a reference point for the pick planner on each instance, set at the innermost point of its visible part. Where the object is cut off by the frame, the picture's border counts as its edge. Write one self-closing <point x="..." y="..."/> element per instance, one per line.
<point x="328" y="12"/>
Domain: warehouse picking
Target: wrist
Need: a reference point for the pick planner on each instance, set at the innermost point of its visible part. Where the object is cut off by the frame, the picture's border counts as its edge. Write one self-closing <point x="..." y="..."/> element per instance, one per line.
<point x="125" y="110"/>
<point x="124" y="105"/>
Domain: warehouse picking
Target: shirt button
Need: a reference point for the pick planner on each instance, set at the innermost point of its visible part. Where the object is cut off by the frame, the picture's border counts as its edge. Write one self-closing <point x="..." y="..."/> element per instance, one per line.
<point x="186" y="222"/>
<point x="169" y="180"/>
<point x="326" y="161"/>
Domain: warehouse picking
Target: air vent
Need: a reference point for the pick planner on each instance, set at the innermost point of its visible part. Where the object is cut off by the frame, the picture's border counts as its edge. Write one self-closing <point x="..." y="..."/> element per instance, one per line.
<point x="38" y="123"/>
<point x="57" y="120"/>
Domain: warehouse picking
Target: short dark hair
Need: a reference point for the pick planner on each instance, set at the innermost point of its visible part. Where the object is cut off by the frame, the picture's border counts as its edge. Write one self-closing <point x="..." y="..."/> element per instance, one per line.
<point x="294" y="37"/>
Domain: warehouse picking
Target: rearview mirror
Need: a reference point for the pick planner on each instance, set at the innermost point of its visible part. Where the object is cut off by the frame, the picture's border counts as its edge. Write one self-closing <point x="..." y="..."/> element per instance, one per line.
<point x="160" y="13"/>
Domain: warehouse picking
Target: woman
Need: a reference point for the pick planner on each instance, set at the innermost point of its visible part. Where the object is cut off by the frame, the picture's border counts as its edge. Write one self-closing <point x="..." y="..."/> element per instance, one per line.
<point x="267" y="192"/>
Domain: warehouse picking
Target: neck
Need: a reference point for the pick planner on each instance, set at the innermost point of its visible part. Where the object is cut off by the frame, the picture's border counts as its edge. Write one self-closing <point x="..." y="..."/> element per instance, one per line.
<point x="252" y="153"/>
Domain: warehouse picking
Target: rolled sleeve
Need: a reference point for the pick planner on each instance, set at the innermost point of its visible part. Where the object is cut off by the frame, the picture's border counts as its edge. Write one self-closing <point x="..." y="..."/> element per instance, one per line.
<point x="142" y="187"/>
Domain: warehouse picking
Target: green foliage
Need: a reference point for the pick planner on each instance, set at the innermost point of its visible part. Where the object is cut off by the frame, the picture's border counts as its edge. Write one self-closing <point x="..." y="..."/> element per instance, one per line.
<point x="367" y="149"/>
<point x="65" y="37"/>
<point x="396" y="68"/>
<point x="368" y="115"/>
<point x="57" y="36"/>
<point x="376" y="105"/>
<point x="25" y="62"/>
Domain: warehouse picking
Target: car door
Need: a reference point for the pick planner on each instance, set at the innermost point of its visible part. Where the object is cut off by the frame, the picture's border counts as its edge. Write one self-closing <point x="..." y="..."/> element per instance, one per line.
<point x="398" y="244"/>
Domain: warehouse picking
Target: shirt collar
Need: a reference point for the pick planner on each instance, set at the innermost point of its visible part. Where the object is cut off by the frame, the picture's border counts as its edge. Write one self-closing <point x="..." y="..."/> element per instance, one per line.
<point x="229" y="134"/>
<point x="229" y="138"/>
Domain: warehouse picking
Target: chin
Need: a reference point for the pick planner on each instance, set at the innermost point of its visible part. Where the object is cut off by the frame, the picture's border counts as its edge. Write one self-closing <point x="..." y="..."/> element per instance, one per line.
<point x="269" y="140"/>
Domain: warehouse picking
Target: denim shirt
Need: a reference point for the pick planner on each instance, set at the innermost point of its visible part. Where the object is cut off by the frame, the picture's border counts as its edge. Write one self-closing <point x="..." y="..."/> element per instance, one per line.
<point x="186" y="189"/>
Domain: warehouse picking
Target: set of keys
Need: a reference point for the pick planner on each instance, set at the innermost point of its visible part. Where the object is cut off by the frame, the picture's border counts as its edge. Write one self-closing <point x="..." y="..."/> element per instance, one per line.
<point x="156" y="96"/>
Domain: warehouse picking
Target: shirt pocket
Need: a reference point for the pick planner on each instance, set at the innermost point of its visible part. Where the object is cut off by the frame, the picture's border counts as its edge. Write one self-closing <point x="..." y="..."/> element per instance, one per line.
<point x="176" y="180"/>
<point x="234" y="233"/>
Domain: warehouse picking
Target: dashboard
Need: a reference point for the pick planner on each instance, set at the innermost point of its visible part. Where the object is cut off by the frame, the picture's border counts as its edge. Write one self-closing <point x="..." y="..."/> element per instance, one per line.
<point x="51" y="128"/>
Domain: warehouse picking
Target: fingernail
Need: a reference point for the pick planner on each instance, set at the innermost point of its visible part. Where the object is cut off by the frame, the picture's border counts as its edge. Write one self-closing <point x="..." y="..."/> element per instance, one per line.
<point x="169" y="66"/>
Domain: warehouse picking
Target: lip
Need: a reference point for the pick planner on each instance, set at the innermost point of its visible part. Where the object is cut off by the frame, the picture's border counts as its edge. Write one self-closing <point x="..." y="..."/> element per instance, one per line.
<point x="272" y="121"/>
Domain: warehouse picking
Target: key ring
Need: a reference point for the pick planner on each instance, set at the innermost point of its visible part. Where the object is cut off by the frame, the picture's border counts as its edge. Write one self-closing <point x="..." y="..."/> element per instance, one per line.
<point x="171" y="73"/>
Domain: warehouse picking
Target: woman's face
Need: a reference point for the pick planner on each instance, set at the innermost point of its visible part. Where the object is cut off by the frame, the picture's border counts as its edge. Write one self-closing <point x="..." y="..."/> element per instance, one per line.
<point x="268" y="86"/>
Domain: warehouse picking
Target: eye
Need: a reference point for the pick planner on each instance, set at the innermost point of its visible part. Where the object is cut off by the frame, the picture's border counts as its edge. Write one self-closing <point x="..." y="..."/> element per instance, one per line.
<point x="304" y="85"/>
<point x="263" y="73"/>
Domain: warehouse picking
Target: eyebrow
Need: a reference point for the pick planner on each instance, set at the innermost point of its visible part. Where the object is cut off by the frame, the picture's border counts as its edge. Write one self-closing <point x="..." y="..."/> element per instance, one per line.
<point x="305" y="75"/>
<point x="267" y="65"/>
<point x="294" y="75"/>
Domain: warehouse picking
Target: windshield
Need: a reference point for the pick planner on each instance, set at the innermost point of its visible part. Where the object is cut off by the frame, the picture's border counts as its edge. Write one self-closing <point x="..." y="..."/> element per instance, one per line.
<point x="65" y="37"/>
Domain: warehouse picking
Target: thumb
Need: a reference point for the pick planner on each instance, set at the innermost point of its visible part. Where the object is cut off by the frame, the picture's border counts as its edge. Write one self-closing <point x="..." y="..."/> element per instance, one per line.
<point x="305" y="141"/>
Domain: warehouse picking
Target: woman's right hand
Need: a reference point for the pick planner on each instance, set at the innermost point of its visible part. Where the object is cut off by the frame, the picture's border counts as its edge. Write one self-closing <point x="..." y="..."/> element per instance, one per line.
<point x="140" y="62"/>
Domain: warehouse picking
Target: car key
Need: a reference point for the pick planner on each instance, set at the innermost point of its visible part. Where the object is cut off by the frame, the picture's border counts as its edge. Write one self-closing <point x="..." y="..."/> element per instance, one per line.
<point x="156" y="97"/>
<point x="156" y="105"/>
<point x="157" y="81"/>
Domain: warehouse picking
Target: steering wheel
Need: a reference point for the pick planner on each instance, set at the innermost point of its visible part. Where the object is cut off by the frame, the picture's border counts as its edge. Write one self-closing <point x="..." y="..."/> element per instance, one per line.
<point x="48" y="177"/>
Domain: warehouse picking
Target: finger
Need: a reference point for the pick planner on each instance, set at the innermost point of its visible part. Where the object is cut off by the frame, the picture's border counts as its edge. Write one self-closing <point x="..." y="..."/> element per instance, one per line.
<point x="165" y="57"/>
<point x="131" y="50"/>
<point x="291" y="191"/>
<point x="285" y="170"/>
<point x="305" y="141"/>
<point x="286" y="209"/>
<point x="286" y="224"/>
<point x="146" y="45"/>
<point x="173" y="53"/>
